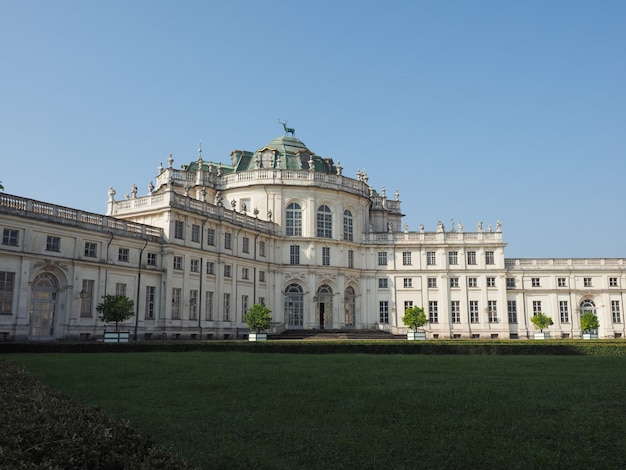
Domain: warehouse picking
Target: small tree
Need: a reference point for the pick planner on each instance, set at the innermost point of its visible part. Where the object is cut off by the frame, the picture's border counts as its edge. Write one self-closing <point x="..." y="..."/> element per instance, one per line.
<point x="589" y="322"/>
<point x="258" y="318"/>
<point x="541" y="321"/>
<point x="414" y="318"/>
<point x="115" y="308"/>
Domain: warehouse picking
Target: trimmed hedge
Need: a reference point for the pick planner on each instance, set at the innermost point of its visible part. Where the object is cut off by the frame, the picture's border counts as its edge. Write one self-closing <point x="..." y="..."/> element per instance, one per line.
<point x="40" y="428"/>
<point x="512" y="347"/>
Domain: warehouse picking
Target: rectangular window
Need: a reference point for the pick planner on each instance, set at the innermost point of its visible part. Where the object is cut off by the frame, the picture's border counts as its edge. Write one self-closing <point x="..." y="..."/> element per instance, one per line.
<point x="226" y="307"/>
<point x="262" y="300"/>
<point x="245" y="273"/>
<point x="536" y="307"/>
<point x="510" y="283"/>
<point x="210" y="267"/>
<point x="152" y="259"/>
<point x="178" y="263"/>
<point x="587" y="282"/>
<point x="383" y="311"/>
<point x="86" y="298"/>
<point x="53" y="243"/>
<point x="612" y="282"/>
<point x="383" y="283"/>
<point x="454" y="282"/>
<point x="10" y="237"/>
<point x="561" y="282"/>
<point x="431" y="258"/>
<point x="492" y="311"/>
<point x="455" y="311"/>
<point x="179" y="229"/>
<point x="176" y="303"/>
<point x="294" y="254"/>
<point x="433" y="311"/>
<point x="511" y="306"/>
<point x="245" y="245"/>
<point x="535" y="282"/>
<point x="473" y="311"/>
<point x="382" y="258"/>
<point x="407" y="304"/>
<point x="408" y="282"/>
<point x="195" y="233"/>
<point x="209" y="305"/>
<point x="193" y="304"/>
<point x="471" y="257"/>
<point x="261" y="276"/>
<point x="228" y="241"/>
<point x="472" y="282"/>
<point x="491" y="282"/>
<point x="195" y="266"/>
<point x="616" y="312"/>
<point x="150" y="302"/>
<point x="325" y="256"/>
<point x="91" y="250"/>
<point x="7" y="283"/>
<point x="350" y="259"/>
<point x="262" y="248"/>
<point x="490" y="257"/>
<point x="210" y="236"/>
<point x="244" y="306"/>
<point x="406" y="258"/>
<point x="227" y="270"/>
<point x="564" y="311"/>
<point x="453" y="257"/>
<point x="120" y="289"/>
<point x="123" y="255"/>
<point x="432" y="282"/>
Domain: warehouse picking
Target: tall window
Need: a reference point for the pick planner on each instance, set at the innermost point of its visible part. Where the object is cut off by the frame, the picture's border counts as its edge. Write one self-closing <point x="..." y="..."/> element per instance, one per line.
<point x="453" y="257"/>
<point x="535" y="282"/>
<point x="228" y="270"/>
<point x="433" y="311"/>
<point x="471" y="257"/>
<point x="91" y="250"/>
<point x="245" y="245"/>
<point x="53" y="243"/>
<point x="347" y="226"/>
<point x="612" y="282"/>
<point x="473" y="311"/>
<point x="244" y="306"/>
<point x="512" y="310"/>
<point x="294" y="254"/>
<point x="325" y="256"/>
<point x="454" y="282"/>
<point x="262" y="248"/>
<point x="123" y="255"/>
<point x="245" y="273"/>
<point x="406" y="258"/>
<point x="210" y="267"/>
<point x="587" y="282"/>
<point x="455" y="311"/>
<point x="383" y="283"/>
<point x="490" y="257"/>
<point x="179" y="229"/>
<point x="261" y="276"/>
<point x="383" y="311"/>
<point x="510" y="283"/>
<point x="492" y="311"/>
<point x="10" y="237"/>
<point x="431" y="258"/>
<point x="195" y="233"/>
<point x="294" y="305"/>
<point x="561" y="282"/>
<point x="152" y="259"/>
<point x="382" y="258"/>
<point x="536" y="307"/>
<point x="293" y="220"/>
<point x="193" y="304"/>
<point x="226" y="306"/>
<point x="86" y="298"/>
<point x="177" y="263"/>
<point x="120" y="288"/>
<point x="209" y="305"/>
<point x="228" y="241"/>
<point x="150" y="302"/>
<point x="408" y="282"/>
<point x="564" y="311"/>
<point x="616" y="312"/>
<point x="176" y="303"/>
<point x="210" y="236"/>
<point x="324" y="222"/>
<point x="350" y="259"/>
<point x="491" y="282"/>
<point x="194" y="267"/>
<point x="432" y="282"/>
<point x="472" y="282"/>
<point x="407" y="304"/>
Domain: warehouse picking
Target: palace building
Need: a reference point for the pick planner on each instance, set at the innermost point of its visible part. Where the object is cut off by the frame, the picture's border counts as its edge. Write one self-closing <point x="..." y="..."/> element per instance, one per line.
<point x="284" y="227"/>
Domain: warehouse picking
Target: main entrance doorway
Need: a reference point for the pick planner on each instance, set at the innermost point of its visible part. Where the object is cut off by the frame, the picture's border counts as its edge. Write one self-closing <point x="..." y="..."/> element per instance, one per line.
<point x="325" y="306"/>
<point x="43" y="303"/>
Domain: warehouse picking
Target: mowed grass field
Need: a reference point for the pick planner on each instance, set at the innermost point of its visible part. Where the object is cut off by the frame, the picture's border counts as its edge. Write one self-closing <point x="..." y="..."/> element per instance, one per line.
<point x="285" y="411"/>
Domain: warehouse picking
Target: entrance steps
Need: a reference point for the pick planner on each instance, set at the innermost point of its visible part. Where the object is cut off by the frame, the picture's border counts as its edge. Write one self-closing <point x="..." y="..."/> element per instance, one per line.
<point x="326" y="335"/>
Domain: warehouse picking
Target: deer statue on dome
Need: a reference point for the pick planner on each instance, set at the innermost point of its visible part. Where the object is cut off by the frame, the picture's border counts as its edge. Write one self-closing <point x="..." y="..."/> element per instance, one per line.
<point x="288" y="130"/>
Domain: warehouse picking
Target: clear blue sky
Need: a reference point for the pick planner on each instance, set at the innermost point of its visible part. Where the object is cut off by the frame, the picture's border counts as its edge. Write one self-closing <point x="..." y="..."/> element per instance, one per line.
<point x="473" y="110"/>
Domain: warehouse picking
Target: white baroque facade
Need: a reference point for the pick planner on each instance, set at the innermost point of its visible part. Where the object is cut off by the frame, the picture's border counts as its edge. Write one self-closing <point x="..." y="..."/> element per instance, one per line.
<point x="284" y="227"/>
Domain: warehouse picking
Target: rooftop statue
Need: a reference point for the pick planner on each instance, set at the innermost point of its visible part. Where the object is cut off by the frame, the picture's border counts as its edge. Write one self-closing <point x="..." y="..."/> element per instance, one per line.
<point x="288" y="130"/>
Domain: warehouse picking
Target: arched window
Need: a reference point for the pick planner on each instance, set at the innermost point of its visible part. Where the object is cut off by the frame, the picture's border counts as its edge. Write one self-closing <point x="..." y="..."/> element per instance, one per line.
<point x="587" y="306"/>
<point x="347" y="225"/>
<point x="324" y="222"/>
<point x="293" y="220"/>
<point x="294" y="305"/>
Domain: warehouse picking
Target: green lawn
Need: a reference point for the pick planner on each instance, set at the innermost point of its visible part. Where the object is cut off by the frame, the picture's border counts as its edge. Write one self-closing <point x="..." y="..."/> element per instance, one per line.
<point x="245" y="410"/>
